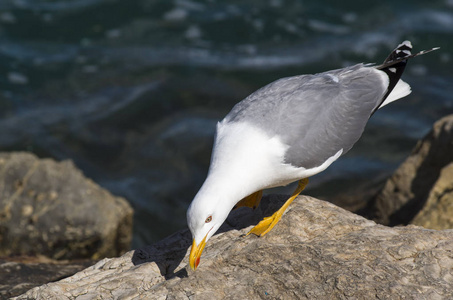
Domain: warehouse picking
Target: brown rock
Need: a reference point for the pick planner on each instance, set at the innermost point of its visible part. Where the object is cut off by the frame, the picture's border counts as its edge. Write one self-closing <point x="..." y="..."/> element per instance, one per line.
<point x="19" y="274"/>
<point x="49" y="208"/>
<point x="317" y="251"/>
<point x="407" y="191"/>
<point x="438" y="210"/>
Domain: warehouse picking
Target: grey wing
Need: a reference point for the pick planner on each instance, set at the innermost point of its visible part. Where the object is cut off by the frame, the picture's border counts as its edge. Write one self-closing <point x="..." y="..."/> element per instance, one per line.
<point x="315" y="115"/>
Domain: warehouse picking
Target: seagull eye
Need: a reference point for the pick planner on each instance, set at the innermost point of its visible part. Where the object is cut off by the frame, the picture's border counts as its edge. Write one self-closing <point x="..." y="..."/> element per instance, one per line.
<point x="208" y="219"/>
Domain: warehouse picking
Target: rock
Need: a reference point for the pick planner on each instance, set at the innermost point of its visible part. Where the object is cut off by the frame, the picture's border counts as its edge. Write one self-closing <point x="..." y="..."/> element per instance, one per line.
<point x="19" y="274"/>
<point x="317" y="251"/>
<point x="49" y="208"/>
<point x="409" y="189"/>
<point x="438" y="210"/>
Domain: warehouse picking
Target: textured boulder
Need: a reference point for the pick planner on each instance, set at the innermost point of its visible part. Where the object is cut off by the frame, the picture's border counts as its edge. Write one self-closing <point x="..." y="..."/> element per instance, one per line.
<point x="317" y="251"/>
<point x="420" y="180"/>
<point x="49" y="208"/>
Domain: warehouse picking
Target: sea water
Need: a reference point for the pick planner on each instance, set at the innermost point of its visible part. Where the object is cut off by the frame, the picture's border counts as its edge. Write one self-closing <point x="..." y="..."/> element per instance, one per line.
<point x="131" y="90"/>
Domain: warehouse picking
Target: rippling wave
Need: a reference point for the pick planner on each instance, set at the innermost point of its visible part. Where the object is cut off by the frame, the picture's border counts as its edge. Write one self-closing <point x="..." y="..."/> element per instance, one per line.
<point x="132" y="90"/>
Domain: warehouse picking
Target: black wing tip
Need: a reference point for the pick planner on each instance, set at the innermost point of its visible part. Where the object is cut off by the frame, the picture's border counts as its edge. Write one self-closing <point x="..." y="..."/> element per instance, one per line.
<point x="395" y="64"/>
<point x="402" y="51"/>
<point x="401" y="54"/>
<point x="405" y="45"/>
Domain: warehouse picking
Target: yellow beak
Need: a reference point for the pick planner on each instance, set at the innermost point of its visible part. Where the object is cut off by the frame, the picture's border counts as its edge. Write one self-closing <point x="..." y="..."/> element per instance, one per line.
<point x="195" y="253"/>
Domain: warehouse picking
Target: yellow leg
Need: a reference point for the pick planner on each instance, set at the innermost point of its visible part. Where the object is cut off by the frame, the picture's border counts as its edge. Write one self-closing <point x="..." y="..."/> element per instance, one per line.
<point x="268" y="223"/>
<point x="252" y="200"/>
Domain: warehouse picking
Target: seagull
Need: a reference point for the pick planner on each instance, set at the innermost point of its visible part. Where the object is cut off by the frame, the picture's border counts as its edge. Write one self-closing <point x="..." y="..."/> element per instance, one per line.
<point x="287" y="131"/>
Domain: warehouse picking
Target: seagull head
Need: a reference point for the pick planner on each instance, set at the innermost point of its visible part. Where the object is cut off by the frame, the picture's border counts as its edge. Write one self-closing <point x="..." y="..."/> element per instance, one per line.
<point x="204" y="218"/>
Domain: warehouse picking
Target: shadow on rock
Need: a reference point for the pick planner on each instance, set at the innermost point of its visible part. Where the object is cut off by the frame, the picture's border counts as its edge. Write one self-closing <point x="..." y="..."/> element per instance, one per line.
<point x="169" y="253"/>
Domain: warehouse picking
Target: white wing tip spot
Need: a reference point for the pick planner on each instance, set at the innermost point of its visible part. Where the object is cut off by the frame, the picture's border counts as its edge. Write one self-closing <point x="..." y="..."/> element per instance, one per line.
<point x="407" y="52"/>
<point x="406" y="43"/>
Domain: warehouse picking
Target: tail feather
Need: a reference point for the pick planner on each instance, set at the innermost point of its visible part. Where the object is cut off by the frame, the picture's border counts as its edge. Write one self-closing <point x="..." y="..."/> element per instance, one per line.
<point x="394" y="70"/>
<point x="394" y="66"/>
<point x="401" y="89"/>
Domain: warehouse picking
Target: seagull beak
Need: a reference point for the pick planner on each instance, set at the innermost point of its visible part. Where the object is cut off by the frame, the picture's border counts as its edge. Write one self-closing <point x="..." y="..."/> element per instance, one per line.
<point x="195" y="253"/>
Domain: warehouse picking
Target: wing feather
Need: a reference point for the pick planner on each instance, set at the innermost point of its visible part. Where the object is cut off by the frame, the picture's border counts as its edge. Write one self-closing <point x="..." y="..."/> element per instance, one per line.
<point x="315" y="115"/>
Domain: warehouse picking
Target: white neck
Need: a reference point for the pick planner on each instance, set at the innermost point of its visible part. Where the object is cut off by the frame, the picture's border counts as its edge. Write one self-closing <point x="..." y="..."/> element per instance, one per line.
<point x="224" y="189"/>
<point x="244" y="160"/>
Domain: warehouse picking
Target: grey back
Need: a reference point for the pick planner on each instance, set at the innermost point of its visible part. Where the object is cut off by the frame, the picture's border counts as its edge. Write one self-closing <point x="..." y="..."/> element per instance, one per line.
<point x="315" y="115"/>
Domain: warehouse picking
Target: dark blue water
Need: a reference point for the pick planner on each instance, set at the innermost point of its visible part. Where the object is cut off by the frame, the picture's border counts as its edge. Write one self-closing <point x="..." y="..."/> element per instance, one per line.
<point x="132" y="90"/>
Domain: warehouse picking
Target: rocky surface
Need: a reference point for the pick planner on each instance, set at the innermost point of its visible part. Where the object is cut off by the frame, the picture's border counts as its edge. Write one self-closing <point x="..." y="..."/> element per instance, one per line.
<point x="19" y="274"/>
<point x="438" y="210"/>
<point x="420" y="182"/>
<point x="49" y="208"/>
<point x="317" y="251"/>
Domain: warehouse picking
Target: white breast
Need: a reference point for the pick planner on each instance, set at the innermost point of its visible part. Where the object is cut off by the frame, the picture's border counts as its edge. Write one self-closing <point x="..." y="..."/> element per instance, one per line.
<point x="244" y="154"/>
